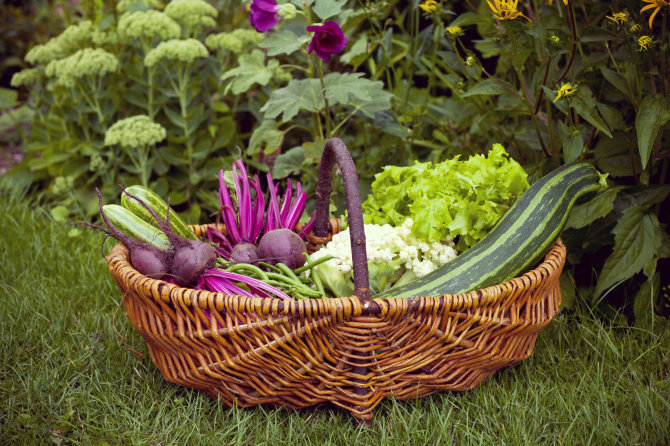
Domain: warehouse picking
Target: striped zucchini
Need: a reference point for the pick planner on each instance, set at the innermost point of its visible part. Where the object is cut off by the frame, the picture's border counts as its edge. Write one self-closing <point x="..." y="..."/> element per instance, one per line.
<point x="134" y="227"/>
<point x="518" y="241"/>
<point x="159" y="206"/>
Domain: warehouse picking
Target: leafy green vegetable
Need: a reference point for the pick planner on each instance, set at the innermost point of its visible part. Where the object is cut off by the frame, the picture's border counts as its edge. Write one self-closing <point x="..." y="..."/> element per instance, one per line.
<point x="453" y="198"/>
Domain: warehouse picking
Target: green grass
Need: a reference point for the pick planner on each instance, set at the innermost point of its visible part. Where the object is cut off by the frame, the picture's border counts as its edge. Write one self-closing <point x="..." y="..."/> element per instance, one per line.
<point x="65" y="375"/>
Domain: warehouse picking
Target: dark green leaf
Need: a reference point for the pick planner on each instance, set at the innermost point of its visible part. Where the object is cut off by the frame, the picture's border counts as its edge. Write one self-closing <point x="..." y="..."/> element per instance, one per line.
<point x="585" y="214"/>
<point x="174" y="117"/>
<point x="357" y="53"/>
<point x="251" y="70"/>
<point x="202" y="149"/>
<point x="586" y="106"/>
<point x="8" y="98"/>
<point x="174" y="155"/>
<point x="616" y="155"/>
<point x="21" y="114"/>
<point x="468" y="18"/>
<point x="654" y="112"/>
<point x="328" y="8"/>
<point x="266" y="137"/>
<point x="48" y="160"/>
<point x="487" y="87"/>
<point x="298" y="95"/>
<point x="637" y="237"/>
<point x="612" y="117"/>
<point x="280" y="42"/>
<point x="616" y="79"/>
<point x="348" y="87"/>
<point x="596" y="34"/>
<point x="224" y="132"/>
<point x="648" y="196"/>
<point x="573" y="143"/>
<point x="289" y="162"/>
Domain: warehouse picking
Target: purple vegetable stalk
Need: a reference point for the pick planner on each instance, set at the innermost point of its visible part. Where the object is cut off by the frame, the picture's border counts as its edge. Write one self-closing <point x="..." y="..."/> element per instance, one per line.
<point x="246" y="226"/>
<point x="291" y="209"/>
<point x="222" y="281"/>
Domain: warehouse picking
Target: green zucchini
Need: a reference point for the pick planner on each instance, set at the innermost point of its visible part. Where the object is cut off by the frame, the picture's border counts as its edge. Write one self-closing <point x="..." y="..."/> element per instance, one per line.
<point x="159" y="206"/>
<point x="518" y="241"/>
<point x="134" y="227"/>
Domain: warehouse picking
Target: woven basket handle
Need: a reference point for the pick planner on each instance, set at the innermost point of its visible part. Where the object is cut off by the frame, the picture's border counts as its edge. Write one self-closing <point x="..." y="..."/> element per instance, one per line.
<point x="336" y="152"/>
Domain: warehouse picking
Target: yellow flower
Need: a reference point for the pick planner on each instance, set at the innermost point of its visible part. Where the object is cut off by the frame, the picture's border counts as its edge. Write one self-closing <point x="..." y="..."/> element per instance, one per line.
<point x="644" y="42"/>
<point x="565" y="2"/>
<point x="635" y="28"/>
<point x="505" y="9"/>
<point x="619" y="18"/>
<point x="656" y="5"/>
<point x="454" y="30"/>
<point x="565" y="90"/>
<point x="429" y="6"/>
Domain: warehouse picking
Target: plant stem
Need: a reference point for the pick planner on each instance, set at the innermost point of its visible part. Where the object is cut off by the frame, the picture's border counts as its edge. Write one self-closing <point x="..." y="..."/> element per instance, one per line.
<point x="573" y="49"/>
<point x="182" y="85"/>
<point x="319" y="66"/>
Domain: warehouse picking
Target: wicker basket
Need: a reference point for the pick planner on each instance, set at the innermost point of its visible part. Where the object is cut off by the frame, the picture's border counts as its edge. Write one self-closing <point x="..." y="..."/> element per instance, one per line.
<point x="349" y="351"/>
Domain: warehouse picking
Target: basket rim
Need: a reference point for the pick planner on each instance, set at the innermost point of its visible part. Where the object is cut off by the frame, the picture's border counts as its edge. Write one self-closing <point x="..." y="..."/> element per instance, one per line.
<point x="124" y="273"/>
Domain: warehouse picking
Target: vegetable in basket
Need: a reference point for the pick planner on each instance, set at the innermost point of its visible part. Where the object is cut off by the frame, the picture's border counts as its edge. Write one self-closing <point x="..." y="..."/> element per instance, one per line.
<point x="278" y="244"/>
<point x="462" y="199"/>
<point x="395" y="256"/>
<point x="521" y="238"/>
<point x="158" y="252"/>
<point x="184" y="259"/>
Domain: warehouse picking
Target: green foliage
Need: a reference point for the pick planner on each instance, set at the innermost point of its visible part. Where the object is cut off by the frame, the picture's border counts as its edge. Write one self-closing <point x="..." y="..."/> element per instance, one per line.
<point x="555" y="83"/>
<point x="134" y="61"/>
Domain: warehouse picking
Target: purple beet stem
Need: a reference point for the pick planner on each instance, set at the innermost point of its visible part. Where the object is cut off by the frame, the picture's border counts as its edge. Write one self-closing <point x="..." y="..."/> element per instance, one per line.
<point x="336" y="152"/>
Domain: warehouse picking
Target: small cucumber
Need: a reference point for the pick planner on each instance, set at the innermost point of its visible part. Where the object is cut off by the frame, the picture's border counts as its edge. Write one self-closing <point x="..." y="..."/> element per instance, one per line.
<point x="159" y="206"/>
<point x="134" y="227"/>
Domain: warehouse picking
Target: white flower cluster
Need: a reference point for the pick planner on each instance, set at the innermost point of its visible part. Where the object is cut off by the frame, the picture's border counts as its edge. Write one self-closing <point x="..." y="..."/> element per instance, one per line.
<point x="234" y="41"/>
<point x="62" y="45"/>
<point x="27" y="77"/>
<point x="147" y="24"/>
<point x="183" y="50"/>
<point x="107" y="37"/>
<point x="392" y="245"/>
<point x="136" y="131"/>
<point x="91" y="62"/>
<point x="192" y="12"/>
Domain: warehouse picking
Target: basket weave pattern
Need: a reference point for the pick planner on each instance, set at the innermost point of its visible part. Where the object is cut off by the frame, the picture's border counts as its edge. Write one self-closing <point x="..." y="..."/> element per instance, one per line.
<point x="250" y="351"/>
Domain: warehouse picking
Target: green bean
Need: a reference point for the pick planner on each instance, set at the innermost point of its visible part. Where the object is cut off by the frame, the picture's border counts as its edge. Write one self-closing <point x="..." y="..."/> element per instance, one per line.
<point x="287" y="271"/>
<point x="242" y="266"/>
<point x="272" y="267"/>
<point x="311" y="265"/>
<point x="317" y="282"/>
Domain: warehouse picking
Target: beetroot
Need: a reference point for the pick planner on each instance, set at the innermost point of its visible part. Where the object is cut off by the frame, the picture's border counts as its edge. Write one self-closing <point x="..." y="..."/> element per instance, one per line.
<point x="282" y="246"/>
<point x="191" y="259"/>
<point x="146" y="258"/>
<point x="245" y="253"/>
<point x="150" y="261"/>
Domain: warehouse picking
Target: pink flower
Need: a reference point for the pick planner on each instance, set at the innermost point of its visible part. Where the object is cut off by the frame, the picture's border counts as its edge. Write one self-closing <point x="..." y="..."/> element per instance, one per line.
<point x="264" y="15"/>
<point x="328" y="39"/>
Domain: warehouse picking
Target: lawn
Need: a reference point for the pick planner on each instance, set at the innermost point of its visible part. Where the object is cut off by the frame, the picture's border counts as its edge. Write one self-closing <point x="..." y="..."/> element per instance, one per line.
<point x="74" y="371"/>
